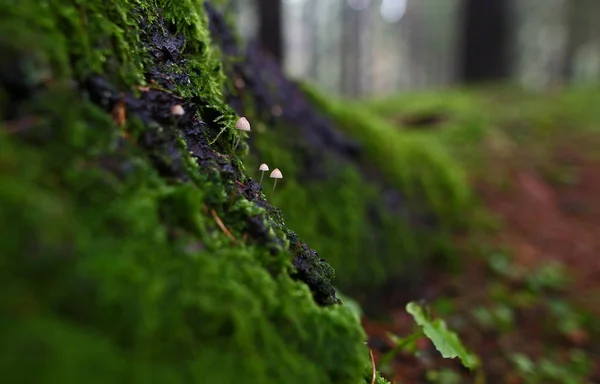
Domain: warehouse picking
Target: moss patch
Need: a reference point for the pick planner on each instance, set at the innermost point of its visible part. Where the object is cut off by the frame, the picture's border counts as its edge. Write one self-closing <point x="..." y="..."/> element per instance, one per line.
<point x="378" y="207"/>
<point x="500" y="124"/>
<point x="416" y="164"/>
<point x="136" y="249"/>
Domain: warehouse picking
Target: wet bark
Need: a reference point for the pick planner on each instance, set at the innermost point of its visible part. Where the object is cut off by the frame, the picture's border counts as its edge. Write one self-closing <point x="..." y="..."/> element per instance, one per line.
<point x="484" y="43"/>
<point x="270" y="31"/>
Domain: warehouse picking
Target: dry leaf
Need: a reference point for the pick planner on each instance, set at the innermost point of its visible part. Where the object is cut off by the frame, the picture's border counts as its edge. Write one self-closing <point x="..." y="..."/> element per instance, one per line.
<point x="119" y="114"/>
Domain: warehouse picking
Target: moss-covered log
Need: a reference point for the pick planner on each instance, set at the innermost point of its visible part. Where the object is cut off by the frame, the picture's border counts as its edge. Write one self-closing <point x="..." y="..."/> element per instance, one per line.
<point x="135" y="248"/>
<point x="378" y="203"/>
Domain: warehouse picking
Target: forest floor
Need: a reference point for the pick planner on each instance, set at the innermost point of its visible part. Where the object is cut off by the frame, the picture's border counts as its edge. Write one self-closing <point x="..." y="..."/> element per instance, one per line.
<point x="528" y="298"/>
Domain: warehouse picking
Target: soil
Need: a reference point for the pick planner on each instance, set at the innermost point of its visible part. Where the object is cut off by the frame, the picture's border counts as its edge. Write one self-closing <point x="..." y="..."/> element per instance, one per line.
<point x="542" y="221"/>
<point x="545" y="222"/>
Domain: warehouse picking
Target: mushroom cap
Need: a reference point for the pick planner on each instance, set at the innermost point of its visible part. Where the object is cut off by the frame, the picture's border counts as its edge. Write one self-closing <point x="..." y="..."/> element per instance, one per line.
<point x="177" y="110"/>
<point x="263" y="167"/>
<point x="242" y="124"/>
<point x="276" y="174"/>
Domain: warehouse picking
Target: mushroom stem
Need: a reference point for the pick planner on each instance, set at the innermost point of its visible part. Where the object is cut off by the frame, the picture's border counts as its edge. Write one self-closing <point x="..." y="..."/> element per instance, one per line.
<point x="276" y="174"/>
<point x="262" y="174"/>
<point x="238" y="142"/>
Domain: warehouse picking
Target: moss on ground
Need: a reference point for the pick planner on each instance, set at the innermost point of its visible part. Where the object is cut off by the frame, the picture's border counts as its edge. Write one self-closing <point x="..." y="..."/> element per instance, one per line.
<point x="135" y="248"/>
<point x="498" y="124"/>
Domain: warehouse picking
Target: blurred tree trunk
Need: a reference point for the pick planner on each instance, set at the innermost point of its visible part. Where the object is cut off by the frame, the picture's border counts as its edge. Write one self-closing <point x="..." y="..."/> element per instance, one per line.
<point x="312" y="20"/>
<point x="352" y="51"/>
<point x="269" y="31"/>
<point x="582" y="42"/>
<point x="595" y="42"/>
<point x="575" y="31"/>
<point x="484" y="53"/>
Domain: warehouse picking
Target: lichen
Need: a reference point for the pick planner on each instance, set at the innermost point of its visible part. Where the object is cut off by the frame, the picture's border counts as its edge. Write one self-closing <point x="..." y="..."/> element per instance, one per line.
<point x="134" y="249"/>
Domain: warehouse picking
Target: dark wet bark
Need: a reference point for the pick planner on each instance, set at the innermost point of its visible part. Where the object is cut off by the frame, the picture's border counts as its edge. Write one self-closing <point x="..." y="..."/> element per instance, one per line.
<point x="270" y="31"/>
<point x="484" y="53"/>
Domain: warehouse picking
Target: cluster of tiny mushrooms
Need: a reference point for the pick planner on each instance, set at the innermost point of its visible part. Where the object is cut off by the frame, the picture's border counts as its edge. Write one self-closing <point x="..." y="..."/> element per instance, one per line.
<point x="242" y="125"/>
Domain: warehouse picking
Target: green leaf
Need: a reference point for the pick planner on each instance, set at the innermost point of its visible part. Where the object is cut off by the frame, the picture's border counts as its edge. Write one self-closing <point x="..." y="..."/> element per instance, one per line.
<point x="444" y="340"/>
<point x="401" y="343"/>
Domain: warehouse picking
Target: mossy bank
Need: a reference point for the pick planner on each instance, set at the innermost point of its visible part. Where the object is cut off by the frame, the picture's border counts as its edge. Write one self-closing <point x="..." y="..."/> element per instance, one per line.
<point x="379" y="204"/>
<point x="134" y="246"/>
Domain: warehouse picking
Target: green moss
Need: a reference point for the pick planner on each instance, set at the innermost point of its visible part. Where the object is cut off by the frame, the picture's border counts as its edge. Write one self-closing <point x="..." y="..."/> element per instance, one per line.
<point x="341" y="216"/>
<point x="432" y="164"/>
<point x="416" y="164"/>
<point x="203" y="66"/>
<point x="499" y="124"/>
<point x="100" y="35"/>
<point x="345" y="214"/>
<point x="115" y="269"/>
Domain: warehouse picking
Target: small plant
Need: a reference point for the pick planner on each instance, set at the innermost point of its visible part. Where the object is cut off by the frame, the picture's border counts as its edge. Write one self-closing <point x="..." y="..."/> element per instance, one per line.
<point x="549" y="370"/>
<point x="551" y="276"/>
<point x="444" y="376"/>
<point x="407" y="344"/>
<point x="444" y="340"/>
<point x="498" y="316"/>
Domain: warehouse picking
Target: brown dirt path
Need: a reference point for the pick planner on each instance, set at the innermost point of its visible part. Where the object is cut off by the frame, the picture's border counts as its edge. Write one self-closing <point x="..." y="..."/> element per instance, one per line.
<point x="542" y="221"/>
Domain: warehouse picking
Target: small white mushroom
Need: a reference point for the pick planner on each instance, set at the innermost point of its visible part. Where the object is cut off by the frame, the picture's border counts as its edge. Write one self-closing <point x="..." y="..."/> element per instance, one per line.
<point x="276" y="174"/>
<point x="263" y="168"/>
<point x="242" y="125"/>
<point x="177" y="110"/>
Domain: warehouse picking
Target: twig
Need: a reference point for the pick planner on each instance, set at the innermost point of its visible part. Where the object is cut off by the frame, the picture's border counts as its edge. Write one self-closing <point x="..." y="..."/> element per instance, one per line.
<point x="222" y="226"/>
<point x="296" y="251"/>
<point x="119" y="113"/>
<point x="373" y="365"/>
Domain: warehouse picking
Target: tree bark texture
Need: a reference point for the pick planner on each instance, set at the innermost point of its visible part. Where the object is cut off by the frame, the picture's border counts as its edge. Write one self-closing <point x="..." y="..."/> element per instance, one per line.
<point x="484" y="52"/>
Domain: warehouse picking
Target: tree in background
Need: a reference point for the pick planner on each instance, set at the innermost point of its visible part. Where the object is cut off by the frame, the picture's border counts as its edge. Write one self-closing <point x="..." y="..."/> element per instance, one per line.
<point x="580" y="55"/>
<point x="353" y="23"/>
<point x="354" y="47"/>
<point x="269" y="31"/>
<point x="485" y="40"/>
